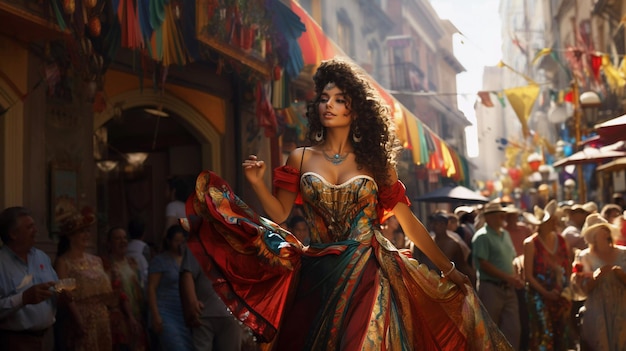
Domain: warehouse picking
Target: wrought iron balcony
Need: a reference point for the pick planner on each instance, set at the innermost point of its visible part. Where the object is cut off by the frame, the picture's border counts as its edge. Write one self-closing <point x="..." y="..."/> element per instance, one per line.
<point x="406" y="76"/>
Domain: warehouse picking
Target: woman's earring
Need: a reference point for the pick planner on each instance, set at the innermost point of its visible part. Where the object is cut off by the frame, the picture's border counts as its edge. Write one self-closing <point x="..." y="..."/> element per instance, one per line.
<point x="319" y="136"/>
<point x="356" y="135"/>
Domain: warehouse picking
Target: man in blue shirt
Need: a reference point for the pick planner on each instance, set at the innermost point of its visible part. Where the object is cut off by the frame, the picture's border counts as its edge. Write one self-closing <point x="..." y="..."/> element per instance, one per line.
<point x="493" y="253"/>
<point x="27" y="306"/>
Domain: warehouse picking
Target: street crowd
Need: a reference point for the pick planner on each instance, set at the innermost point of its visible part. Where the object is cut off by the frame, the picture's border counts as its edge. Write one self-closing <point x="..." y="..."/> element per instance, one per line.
<point x="553" y="278"/>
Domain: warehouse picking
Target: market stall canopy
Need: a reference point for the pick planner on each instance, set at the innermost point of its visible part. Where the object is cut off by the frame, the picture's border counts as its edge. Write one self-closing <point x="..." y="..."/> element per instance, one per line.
<point x="613" y="129"/>
<point x="593" y="155"/>
<point x="615" y="165"/>
<point x="453" y="194"/>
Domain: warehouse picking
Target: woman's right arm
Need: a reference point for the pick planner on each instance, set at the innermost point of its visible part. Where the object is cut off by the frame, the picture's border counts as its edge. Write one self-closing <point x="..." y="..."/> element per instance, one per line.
<point x="278" y="207"/>
<point x="153" y="283"/>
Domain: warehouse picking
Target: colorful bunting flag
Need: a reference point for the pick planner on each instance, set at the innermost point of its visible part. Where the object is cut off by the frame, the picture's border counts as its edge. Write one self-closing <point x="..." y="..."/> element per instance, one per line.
<point x="614" y="78"/>
<point x="522" y="100"/>
<point x="485" y="98"/>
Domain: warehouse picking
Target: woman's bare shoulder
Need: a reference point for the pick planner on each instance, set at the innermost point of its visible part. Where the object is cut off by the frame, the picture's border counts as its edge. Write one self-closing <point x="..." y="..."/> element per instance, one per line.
<point x="298" y="156"/>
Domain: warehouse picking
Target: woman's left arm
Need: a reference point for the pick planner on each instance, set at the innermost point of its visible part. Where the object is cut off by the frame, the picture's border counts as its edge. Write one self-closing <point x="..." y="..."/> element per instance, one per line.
<point x="416" y="232"/>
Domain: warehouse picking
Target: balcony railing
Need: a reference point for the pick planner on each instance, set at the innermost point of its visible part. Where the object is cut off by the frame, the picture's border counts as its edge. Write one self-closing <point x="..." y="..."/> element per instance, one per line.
<point x="406" y="76"/>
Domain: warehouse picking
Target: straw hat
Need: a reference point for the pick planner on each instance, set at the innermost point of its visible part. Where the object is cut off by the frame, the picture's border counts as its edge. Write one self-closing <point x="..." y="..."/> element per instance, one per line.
<point x="461" y="210"/>
<point x="75" y="221"/>
<point x="593" y="223"/>
<point x="541" y="215"/>
<point x="591" y="207"/>
<point x="512" y="209"/>
<point x="493" y="207"/>
<point x="580" y="208"/>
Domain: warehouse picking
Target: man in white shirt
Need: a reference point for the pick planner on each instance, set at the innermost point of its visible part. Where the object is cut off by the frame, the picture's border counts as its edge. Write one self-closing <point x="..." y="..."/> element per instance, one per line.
<point x="138" y="249"/>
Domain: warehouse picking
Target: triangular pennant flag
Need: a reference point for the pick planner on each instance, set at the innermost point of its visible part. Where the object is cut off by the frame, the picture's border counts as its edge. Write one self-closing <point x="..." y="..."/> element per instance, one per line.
<point x="543" y="52"/>
<point x="522" y="100"/>
<point x="596" y="63"/>
<point x="485" y="98"/>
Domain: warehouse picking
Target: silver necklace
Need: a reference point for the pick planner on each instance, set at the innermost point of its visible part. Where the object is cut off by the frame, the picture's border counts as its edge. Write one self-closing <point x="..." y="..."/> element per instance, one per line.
<point x="336" y="158"/>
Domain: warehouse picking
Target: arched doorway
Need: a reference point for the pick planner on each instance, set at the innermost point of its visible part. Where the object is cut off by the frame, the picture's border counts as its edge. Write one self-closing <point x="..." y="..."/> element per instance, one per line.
<point x="178" y="141"/>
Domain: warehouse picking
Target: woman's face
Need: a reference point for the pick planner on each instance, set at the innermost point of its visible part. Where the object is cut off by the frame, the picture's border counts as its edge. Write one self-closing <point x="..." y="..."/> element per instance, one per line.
<point x="334" y="107"/>
<point x="176" y="241"/>
<point x="80" y="239"/>
<point x="118" y="242"/>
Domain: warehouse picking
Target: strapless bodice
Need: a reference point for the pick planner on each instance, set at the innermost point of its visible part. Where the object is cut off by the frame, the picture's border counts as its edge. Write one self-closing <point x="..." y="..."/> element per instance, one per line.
<point x="339" y="212"/>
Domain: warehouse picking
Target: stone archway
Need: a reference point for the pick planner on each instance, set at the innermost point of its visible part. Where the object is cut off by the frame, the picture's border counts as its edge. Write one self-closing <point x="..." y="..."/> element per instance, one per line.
<point x="203" y="129"/>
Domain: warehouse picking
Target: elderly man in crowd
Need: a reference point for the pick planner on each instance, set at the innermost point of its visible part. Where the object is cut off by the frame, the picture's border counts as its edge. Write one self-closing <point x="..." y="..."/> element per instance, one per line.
<point x="493" y="254"/>
<point x="27" y="306"/>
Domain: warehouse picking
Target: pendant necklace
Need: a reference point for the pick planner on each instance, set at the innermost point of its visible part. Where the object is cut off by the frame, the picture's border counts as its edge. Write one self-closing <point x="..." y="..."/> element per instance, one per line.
<point x="336" y="158"/>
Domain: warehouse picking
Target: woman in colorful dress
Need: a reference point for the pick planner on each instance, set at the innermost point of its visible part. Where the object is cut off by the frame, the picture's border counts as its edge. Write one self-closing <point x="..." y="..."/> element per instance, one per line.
<point x="87" y="326"/>
<point x="166" y="314"/>
<point x="350" y="289"/>
<point x="547" y="270"/>
<point x="127" y="315"/>
<point x="600" y="275"/>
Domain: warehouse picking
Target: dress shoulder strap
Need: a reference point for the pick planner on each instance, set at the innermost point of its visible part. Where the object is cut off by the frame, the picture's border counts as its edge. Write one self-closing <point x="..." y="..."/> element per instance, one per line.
<point x="302" y="159"/>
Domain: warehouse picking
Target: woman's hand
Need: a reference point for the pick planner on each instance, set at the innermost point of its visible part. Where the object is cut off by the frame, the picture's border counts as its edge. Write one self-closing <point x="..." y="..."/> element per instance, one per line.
<point x="460" y="279"/>
<point x="552" y="295"/>
<point x="253" y="169"/>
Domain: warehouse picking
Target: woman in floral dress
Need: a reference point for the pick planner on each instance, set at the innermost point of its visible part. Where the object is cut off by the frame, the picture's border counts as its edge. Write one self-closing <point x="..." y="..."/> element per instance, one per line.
<point x="87" y="326"/>
<point x="547" y="268"/>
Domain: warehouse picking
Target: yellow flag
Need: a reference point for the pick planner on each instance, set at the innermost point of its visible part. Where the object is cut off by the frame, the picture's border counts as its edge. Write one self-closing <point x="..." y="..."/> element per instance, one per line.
<point x="447" y="160"/>
<point x="522" y="100"/>
<point x="614" y="78"/>
<point x="543" y="52"/>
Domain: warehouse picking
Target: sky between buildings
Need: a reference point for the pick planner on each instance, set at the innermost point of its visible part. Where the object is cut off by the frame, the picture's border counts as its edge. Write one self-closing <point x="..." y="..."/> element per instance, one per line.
<point x="479" y="45"/>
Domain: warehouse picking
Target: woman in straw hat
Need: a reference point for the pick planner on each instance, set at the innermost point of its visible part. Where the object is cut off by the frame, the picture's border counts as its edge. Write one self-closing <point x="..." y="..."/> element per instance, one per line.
<point x="88" y="327"/>
<point x="547" y="268"/>
<point x="599" y="273"/>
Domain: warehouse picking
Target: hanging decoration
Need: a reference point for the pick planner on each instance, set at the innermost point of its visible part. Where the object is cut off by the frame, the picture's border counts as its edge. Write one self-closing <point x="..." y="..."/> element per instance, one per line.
<point x="128" y="16"/>
<point x="485" y="98"/>
<point x="266" y="116"/>
<point x="596" y="63"/>
<point x="614" y="77"/>
<point x="501" y="64"/>
<point x="522" y="100"/>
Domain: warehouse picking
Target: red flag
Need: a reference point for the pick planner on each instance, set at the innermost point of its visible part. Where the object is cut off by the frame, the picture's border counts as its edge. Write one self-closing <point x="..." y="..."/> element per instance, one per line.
<point x="596" y="63"/>
<point x="485" y="98"/>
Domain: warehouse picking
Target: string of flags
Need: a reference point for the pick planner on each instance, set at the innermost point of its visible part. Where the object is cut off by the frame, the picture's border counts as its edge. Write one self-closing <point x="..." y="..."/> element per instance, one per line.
<point x="584" y="66"/>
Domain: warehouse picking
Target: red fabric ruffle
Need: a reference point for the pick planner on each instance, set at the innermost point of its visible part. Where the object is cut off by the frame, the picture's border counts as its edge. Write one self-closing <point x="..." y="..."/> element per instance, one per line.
<point x="288" y="178"/>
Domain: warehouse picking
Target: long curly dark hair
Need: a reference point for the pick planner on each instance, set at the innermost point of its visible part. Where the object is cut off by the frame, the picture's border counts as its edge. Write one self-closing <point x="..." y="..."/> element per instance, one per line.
<point x="379" y="145"/>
